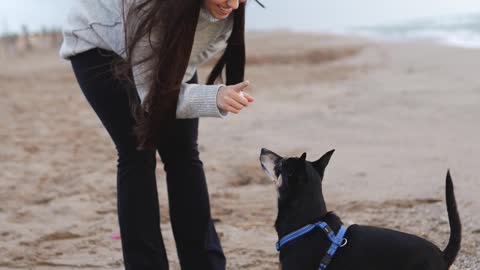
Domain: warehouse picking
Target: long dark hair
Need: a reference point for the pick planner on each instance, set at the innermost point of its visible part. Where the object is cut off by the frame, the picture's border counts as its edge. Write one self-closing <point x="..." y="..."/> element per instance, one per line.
<point x="174" y="23"/>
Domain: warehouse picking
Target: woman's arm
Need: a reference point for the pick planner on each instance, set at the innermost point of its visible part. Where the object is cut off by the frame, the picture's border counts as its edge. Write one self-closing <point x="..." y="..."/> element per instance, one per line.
<point x="197" y="100"/>
<point x="212" y="100"/>
<point x="194" y="100"/>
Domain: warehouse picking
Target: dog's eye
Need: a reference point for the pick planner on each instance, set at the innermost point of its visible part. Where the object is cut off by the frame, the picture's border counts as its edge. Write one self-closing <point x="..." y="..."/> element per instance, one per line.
<point x="290" y="171"/>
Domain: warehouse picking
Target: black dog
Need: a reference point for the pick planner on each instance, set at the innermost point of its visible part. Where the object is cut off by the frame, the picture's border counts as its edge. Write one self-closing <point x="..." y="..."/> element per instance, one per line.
<point x="301" y="202"/>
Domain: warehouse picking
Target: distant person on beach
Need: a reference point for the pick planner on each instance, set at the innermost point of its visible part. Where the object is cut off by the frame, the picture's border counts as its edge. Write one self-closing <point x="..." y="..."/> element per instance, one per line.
<point x="135" y="61"/>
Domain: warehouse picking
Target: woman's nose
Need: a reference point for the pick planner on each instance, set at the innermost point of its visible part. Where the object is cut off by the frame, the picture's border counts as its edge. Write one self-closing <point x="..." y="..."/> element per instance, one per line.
<point x="234" y="3"/>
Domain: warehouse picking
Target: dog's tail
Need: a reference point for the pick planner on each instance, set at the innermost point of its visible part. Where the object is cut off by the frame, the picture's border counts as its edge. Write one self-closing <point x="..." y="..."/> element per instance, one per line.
<point x="453" y="246"/>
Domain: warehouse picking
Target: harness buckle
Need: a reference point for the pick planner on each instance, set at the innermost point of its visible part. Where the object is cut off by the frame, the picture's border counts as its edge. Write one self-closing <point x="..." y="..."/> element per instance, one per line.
<point x="344" y="242"/>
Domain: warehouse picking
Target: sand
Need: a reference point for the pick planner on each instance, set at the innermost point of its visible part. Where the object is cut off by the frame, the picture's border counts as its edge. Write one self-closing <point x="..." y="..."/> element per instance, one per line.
<point x="398" y="114"/>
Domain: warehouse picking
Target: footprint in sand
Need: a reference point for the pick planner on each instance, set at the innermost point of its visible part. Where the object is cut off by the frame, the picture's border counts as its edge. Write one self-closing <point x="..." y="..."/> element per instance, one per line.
<point x="56" y="236"/>
<point x="249" y="174"/>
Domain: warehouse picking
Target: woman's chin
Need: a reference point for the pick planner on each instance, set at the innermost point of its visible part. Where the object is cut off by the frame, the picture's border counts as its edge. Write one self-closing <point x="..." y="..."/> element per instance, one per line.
<point x="220" y="16"/>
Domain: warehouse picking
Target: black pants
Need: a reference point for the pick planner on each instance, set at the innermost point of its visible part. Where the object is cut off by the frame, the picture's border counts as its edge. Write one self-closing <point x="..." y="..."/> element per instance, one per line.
<point x="197" y="242"/>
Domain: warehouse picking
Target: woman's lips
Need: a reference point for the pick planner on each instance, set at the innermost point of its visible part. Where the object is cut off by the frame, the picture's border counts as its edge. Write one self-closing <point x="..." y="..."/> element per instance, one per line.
<point x="225" y="11"/>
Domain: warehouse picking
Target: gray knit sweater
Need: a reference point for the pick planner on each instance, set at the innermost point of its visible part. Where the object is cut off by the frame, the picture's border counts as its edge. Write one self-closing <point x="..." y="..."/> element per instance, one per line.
<point x="100" y="23"/>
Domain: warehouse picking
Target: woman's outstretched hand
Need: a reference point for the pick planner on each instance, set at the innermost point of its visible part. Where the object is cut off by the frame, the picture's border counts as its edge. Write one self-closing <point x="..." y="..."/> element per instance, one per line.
<point x="232" y="98"/>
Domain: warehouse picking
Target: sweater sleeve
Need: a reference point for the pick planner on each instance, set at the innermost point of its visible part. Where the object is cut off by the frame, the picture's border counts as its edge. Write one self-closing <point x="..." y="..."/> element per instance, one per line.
<point x="197" y="100"/>
<point x="194" y="100"/>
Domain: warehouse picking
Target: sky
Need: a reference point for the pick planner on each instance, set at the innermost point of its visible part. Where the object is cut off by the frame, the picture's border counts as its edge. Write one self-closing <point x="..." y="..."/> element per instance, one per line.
<point x="33" y="13"/>
<point x="302" y="15"/>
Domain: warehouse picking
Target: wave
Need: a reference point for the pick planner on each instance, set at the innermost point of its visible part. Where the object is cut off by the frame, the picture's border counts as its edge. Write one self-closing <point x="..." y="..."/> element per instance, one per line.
<point x="459" y="30"/>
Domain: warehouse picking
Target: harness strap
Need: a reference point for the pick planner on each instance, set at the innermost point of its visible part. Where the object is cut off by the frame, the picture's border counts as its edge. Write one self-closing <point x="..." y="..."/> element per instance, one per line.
<point x="339" y="241"/>
<point x="336" y="240"/>
<point x="294" y="235"/>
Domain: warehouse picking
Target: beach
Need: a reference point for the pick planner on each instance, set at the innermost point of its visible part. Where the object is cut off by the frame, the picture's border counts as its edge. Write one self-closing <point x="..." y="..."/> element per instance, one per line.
<point x="398" y="114"/>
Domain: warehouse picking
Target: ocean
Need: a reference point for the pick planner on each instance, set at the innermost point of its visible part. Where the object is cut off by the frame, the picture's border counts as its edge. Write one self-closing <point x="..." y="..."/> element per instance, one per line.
<point x="458" y="30"/>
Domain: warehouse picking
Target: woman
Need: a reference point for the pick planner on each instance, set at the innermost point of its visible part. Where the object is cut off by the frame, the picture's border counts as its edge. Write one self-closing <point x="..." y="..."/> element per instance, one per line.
<point x="152" y="103"/>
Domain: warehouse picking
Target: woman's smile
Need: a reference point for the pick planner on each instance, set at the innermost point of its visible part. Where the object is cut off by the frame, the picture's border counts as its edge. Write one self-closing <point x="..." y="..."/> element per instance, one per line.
<point x="224" y="10"/>
<point x="221" y="9"/>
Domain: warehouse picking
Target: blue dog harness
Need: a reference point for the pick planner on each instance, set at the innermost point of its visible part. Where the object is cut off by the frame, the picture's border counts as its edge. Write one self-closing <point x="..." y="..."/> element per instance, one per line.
<point x="336" y="240"/>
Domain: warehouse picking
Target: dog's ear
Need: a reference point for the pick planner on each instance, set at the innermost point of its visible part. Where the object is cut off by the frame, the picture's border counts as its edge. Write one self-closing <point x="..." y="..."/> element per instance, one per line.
<point x="322" y="163"/>
<point x="269" y="160"/>
<point x="303" y="157"/>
